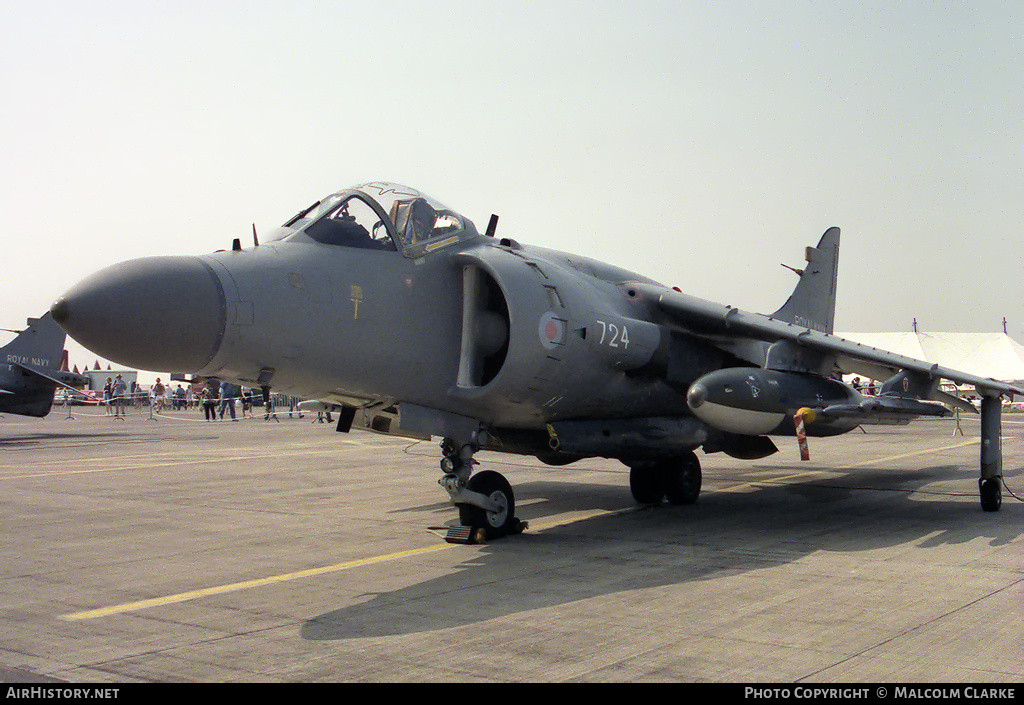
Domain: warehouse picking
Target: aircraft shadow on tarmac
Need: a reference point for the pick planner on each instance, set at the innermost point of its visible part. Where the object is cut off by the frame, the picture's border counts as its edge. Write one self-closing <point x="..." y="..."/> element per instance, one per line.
<point x="35" y="438"/>
<point x="725" y="533"/>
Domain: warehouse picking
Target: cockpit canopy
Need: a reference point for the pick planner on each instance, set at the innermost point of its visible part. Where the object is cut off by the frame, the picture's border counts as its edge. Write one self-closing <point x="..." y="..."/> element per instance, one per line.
<point x="380" y="216"/>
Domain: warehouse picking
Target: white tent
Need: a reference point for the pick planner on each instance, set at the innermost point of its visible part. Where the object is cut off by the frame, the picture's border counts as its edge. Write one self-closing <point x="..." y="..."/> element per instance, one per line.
<point x="994" y="355"/>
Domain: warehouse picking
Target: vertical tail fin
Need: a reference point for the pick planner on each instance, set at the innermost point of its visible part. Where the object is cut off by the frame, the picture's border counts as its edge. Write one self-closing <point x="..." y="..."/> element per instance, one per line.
<point x="39" y="345"/>
<point x="27" y="364"/>
<point x="813" y="302"/>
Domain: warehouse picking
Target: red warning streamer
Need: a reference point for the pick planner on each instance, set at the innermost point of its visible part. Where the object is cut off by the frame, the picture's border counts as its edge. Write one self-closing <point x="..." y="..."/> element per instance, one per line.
<point x="801" y="436"/>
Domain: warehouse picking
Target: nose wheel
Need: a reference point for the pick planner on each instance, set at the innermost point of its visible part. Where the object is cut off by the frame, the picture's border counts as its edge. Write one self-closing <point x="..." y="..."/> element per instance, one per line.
<point x="494" y="523"/>
<point x="486" y="502"/>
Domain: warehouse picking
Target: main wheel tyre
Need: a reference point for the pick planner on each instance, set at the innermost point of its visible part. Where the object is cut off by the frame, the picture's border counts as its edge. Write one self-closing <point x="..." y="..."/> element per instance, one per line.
<point x="682" y="479"/>
<point x="991" y="495"/>
<point x="495" y="524"/>
<point x="645" y="483"/>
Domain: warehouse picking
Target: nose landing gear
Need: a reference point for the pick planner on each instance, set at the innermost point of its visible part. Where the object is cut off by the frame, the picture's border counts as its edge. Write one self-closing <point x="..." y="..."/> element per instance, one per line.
<point x="486" y="502"/>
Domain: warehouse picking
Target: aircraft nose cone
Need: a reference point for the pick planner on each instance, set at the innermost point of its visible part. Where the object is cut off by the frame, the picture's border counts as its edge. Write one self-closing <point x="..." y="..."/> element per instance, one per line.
<point x="157" y="313"/>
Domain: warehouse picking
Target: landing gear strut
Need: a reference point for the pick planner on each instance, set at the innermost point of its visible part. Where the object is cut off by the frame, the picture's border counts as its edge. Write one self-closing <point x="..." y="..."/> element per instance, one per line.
<point x="678" y="479"/>
<point x="486" y="502"/>
<point x="989" y="485"/>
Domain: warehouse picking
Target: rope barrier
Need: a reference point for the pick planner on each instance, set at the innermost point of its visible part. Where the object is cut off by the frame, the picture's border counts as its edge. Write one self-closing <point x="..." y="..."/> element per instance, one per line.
<point x="213" y="408"/>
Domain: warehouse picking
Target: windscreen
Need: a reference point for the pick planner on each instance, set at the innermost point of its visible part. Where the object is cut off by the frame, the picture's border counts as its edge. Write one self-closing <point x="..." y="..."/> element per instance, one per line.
<point x="352" y="223"/>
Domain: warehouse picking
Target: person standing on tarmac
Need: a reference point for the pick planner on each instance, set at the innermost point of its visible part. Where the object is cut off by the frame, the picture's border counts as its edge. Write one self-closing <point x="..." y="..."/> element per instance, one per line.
<point x="227" y="399"/>
<point x="117" y="390"/>
<point x="107" y="394"/>
<point x="158" y="395"/>
<point x="210" y="399"/>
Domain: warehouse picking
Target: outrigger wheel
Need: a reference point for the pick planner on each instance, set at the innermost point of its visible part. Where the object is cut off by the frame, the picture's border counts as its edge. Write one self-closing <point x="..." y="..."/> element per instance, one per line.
<point x="991" y="494"/>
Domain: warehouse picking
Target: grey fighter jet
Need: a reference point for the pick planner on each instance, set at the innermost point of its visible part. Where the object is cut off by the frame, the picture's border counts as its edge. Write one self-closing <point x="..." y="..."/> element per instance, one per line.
<point x="393" y="310"/>
<point x="28" y="376"/>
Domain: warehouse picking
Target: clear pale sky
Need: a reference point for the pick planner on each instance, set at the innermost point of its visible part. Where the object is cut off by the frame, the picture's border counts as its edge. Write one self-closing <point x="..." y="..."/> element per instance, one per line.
<point x="699" y="143"/>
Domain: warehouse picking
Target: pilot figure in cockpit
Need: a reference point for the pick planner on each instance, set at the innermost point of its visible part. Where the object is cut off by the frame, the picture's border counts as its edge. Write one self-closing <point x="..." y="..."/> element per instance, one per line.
<point x="422" y="217"/>
<point x="348" y="231"/>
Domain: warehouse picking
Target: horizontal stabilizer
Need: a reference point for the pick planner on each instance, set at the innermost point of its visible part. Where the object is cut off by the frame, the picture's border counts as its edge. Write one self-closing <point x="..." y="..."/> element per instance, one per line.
<point x="40" y="373"/>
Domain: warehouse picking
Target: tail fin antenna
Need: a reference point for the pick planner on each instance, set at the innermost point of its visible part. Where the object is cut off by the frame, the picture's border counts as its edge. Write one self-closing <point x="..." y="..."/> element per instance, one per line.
<point x="41" y="344"/>
<point x="813" y="302"/>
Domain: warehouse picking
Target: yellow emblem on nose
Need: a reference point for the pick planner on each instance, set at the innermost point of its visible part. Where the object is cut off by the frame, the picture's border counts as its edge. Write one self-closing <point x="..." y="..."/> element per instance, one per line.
<point x="356" y="294"/>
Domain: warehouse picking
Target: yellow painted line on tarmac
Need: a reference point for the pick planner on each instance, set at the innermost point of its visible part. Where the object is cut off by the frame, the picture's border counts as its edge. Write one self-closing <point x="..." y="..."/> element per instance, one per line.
<point x="971" y="442"/>
<point x="823" y="471"/>
<point x="769" y="480"/>
<point x="116" y="464"/>
<point x="312" y="572"/>
<point x="247" y="584"/>
<point x="534" y="526"/>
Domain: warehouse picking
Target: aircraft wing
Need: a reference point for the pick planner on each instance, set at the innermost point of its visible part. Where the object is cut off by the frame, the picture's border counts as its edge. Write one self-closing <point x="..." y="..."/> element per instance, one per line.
<point x="704" y="318"/>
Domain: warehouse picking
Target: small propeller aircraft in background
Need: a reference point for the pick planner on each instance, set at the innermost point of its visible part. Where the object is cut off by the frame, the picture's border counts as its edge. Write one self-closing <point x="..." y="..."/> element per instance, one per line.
<point x="388" y="307"/>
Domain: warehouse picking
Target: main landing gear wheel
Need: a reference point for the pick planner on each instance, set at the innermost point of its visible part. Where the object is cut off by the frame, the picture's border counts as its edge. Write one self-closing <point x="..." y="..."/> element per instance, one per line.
<point x="682" y="479"/>
<point x="678" y="479"/>
<point x="991" y="494"/>
<point x="497" y="523"/>
<point x="645" y="483"/>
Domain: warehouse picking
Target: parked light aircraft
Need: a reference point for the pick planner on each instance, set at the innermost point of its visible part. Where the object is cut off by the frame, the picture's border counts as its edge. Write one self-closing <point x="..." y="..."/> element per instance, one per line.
<point x="28" y="372"/>
<point x="393" y="310"/>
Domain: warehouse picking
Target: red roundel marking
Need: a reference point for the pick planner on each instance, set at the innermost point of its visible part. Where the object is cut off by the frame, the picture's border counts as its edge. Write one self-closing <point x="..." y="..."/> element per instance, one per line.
<point x="550" y="330"/>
